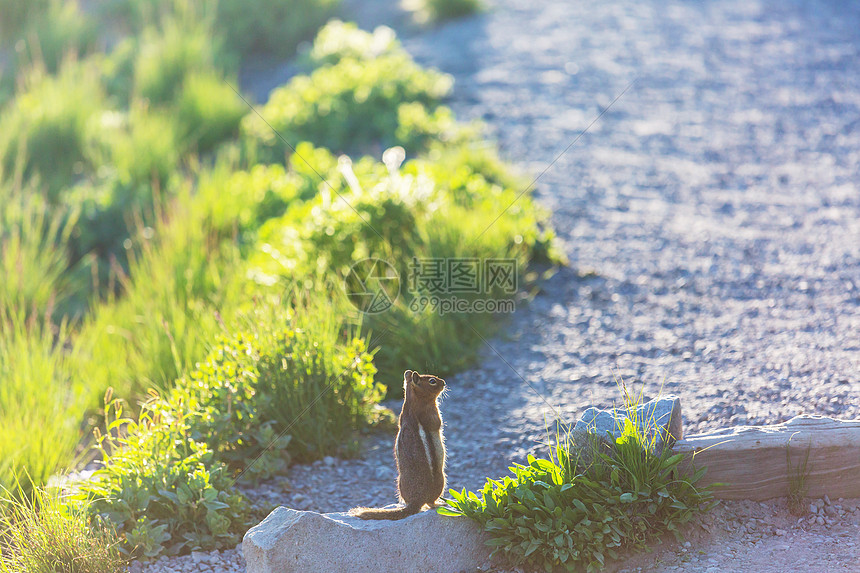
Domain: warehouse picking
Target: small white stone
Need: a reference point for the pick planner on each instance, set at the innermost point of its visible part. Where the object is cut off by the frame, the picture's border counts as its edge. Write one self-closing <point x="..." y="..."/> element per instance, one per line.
<point x="199" y="557"/>
<point x="329" y="461"/>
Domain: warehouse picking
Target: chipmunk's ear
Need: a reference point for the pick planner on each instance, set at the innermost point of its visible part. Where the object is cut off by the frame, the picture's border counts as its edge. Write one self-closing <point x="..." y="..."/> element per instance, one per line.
<point x="407" y="378"/>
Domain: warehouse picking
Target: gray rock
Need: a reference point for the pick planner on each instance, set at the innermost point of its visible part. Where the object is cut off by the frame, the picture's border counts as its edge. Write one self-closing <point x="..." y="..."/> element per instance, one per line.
<point x="660" y="419"/>
<point x="290" y="540"/>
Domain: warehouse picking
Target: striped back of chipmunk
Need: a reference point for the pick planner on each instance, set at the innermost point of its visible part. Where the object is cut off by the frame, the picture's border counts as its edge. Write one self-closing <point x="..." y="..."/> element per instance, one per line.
<point x="434" y="449"/>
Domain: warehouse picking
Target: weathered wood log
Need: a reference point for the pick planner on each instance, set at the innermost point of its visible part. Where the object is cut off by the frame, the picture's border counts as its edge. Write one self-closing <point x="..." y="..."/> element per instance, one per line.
<point x="760" y="462"/>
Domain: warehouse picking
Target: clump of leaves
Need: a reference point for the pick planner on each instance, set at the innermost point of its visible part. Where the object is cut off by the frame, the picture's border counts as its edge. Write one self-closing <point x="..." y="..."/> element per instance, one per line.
<point x="42" y="533"/>
<point x="163" y="490"/>
<point x="338" y="40"/>
<point x="563" y="513"/>
<point x="347" y="106"/>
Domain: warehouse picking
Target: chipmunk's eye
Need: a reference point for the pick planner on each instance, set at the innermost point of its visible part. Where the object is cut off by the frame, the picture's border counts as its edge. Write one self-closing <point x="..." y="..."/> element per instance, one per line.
<point x="432" y="381"/>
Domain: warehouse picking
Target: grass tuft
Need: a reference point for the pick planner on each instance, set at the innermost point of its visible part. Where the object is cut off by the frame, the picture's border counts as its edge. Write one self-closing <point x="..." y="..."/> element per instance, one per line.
<point x="41" y="405"/>
<point x="42" y="533"/>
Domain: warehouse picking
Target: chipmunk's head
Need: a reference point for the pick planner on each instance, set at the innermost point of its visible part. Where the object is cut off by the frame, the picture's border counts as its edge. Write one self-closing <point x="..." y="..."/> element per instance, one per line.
<point x="424" y="386"/>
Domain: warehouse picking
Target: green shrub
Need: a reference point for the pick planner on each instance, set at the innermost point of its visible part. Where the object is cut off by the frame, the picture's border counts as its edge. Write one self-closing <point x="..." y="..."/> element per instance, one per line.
<point x="272" y="26"/>
<point x="208" y="110"/>
<point x="231" y="200"/>
<point x="566" y="512"/>
<point x="170" y="52"/>
<point x="428" y="209"/>
<point x="43" y="533"/>
<point x="164" y="491"/>
<point x="62" y="32"/>
<point x="139" y="147"/>
<point x="346" y="106"/>
<point x="339" y="40"/>
<point x="42" y="404"/>
<point x="43" y="132"/>
<point x="293" y="374"/>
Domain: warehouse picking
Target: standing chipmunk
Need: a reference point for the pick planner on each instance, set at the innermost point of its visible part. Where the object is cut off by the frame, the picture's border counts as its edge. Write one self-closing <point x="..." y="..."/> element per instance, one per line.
<point x="419" y="449"/>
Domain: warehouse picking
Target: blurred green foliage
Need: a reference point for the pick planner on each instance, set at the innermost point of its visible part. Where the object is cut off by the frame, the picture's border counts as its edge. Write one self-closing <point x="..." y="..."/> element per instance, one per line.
<point x="441" y="206"/>
<point x="270" y="26"/>
<point x="352" y="102"/>
<point x="339" y="40"/>
<point x="63" y="32"/>
<point x="167" y="53"/>
<point x="43" y="131"/>
<point x="41" y="402"/>
<point x="208" y="111"/>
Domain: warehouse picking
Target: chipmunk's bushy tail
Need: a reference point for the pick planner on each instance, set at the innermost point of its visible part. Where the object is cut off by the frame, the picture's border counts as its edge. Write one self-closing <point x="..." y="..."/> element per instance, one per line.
<point x="381" y="513"/>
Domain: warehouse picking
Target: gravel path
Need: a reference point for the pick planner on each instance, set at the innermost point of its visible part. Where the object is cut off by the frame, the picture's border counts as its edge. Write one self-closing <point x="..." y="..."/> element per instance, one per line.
<point x="712" y="220"/>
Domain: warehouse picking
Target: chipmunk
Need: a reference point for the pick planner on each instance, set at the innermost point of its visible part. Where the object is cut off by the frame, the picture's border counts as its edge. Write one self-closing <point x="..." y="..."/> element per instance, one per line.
<point x="419" y="449"/>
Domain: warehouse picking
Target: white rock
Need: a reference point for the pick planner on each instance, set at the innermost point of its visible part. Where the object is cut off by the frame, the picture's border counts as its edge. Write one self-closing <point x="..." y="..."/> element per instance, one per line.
<point x="199" y="557"/>
<point x="289" y="540"/>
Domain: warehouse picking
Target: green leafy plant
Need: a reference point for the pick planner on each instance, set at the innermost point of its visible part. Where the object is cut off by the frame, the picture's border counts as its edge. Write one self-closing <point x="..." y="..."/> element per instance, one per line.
<point x="338" y="40"/>
<point x="346" y="106"/>
<point x="572" y="511"/>
<point x="286" y="386"/>
<point x="42" y="533"/>
<point x="163" y="490"/>
<point x="430" y="208"/>
<point x="290" y="384"/>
